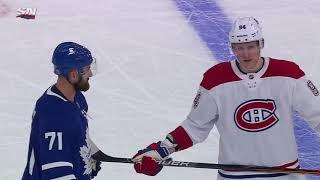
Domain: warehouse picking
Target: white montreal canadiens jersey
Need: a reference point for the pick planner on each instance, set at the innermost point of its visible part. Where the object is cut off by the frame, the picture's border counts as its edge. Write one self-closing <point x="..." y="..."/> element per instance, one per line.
<point x="253" y="113"/>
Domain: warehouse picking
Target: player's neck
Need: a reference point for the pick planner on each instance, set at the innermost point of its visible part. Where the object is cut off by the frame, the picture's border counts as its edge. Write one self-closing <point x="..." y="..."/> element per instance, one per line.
<point x="66" y="89"/>
<point x="251" y="67"/>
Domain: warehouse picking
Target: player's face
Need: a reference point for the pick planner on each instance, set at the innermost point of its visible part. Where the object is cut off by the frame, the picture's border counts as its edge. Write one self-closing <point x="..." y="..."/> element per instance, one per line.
<point x="84" y="75"/>
<point x="248" y="55"/>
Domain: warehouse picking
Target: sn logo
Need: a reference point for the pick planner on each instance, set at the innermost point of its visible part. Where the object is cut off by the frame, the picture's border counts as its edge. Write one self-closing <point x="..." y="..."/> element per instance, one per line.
<point x="242" y="27"/>
<point x="71" y="51"/>
<point x="27" y="13"/>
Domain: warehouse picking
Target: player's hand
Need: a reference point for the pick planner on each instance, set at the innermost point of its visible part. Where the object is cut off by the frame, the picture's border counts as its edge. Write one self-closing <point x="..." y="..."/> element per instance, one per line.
<point x="145" y="159"/>
<point x="96" y="167"/>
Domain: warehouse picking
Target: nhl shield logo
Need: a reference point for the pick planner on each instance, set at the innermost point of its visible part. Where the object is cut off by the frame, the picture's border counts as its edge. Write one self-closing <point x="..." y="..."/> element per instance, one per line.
<point x="256" y="115"/>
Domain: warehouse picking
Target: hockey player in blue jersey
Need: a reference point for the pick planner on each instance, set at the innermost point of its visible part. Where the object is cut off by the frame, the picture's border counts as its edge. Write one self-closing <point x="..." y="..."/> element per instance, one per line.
<point x="60" y="146"/>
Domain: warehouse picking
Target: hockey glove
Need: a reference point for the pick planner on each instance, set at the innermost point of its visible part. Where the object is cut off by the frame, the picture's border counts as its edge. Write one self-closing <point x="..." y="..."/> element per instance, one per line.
<point x="146" y="159"/>
<point x="96" y="167"/>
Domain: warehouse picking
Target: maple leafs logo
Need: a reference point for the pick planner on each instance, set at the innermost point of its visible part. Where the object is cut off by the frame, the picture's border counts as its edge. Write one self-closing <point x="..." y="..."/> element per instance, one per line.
<point x="86" y="153"/>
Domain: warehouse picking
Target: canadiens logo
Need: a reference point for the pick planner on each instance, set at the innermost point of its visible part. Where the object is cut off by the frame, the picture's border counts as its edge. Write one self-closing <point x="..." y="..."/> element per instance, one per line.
<point x="256" y="115"/>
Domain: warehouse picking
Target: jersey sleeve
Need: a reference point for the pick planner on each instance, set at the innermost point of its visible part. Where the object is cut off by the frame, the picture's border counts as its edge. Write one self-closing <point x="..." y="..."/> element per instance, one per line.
<point x="306" y="101"/>
<point x="202" y="117"/>
<point x="57" y="139"/>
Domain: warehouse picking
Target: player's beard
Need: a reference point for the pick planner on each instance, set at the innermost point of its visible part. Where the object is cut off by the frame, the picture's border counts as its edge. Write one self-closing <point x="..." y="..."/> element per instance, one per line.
<point x="82" y="85"/>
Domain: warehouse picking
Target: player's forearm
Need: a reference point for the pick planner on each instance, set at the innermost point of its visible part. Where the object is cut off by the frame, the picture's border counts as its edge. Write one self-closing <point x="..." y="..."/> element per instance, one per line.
<point x="178" y="139"/>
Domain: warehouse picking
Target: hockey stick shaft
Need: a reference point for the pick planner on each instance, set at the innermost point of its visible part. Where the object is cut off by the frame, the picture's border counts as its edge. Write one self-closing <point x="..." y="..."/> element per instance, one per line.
<point x="100" y="156"/>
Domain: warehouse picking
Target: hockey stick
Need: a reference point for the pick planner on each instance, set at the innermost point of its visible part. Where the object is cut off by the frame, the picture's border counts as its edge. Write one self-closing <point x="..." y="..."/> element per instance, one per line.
<point x="100" y="156"/>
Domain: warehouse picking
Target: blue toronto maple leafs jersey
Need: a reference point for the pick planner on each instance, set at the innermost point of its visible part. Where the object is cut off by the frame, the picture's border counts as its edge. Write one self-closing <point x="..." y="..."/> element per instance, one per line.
<point x="59" y="147"/>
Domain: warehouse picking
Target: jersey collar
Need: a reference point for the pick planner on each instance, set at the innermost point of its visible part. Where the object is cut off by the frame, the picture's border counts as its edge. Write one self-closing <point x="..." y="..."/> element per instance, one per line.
<point x="54" y="91"/>
<point x="258" y="74"/>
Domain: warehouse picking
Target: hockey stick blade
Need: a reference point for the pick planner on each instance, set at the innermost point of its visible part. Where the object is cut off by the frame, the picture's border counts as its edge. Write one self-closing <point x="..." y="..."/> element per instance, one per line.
<point x="100" y="156"/>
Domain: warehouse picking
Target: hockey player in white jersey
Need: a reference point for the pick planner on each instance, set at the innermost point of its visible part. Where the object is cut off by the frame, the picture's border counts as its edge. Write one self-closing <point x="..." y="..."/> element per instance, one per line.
<point x="251" y="101"/>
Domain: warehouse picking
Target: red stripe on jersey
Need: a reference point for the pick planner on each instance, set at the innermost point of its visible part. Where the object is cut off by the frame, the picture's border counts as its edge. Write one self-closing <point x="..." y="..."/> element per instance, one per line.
<point x="181" y="138"/>
<point x="283" y="68"/>
<point x="288" y="165"/>
<point x="218" y="74"/>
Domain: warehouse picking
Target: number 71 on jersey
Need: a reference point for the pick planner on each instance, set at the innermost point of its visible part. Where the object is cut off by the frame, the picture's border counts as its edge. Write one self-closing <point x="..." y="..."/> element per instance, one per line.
<point x="52" y="136"/>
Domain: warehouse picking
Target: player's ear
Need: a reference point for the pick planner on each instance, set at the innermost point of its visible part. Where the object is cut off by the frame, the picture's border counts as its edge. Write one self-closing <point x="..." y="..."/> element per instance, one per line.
<point x="73" y="75"/>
